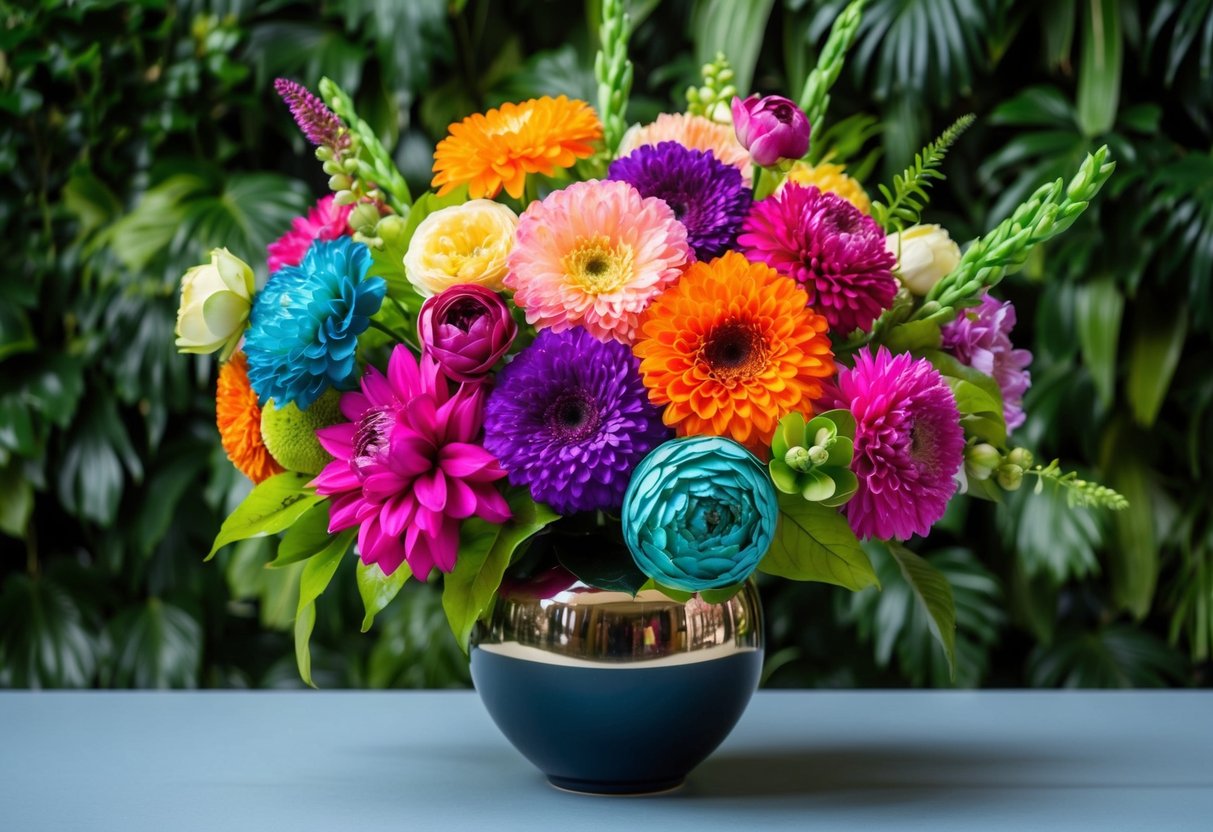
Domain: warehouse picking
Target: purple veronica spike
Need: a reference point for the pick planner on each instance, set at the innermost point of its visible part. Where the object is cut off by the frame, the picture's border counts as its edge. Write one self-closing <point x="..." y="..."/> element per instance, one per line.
<point x="706" y="195"/>
<point x="570" y="419"/>
<point x="318" y="122"/>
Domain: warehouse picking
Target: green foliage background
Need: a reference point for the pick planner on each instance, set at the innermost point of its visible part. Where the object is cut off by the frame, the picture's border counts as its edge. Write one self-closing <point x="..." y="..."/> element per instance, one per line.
<point x="134" y="137"/>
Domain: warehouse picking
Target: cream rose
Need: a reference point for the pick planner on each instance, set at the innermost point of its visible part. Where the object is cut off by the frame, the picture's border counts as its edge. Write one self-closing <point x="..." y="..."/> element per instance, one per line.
<point x="465" y="243"/>
<point x="926" y="253"/>
<point x="215" y="302"/>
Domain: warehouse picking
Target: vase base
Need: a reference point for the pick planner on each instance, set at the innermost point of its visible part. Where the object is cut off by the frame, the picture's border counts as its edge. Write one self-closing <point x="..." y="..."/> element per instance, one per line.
<point x="613" y="789"/>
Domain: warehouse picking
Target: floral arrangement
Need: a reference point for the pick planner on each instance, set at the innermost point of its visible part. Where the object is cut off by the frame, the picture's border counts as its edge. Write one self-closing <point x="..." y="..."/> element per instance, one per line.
<point x="680" y="337"/>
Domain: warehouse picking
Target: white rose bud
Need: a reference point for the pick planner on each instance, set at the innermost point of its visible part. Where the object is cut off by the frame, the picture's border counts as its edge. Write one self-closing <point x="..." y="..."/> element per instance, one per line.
<point x="926" y="253"/>
<point x="215" y="303"/>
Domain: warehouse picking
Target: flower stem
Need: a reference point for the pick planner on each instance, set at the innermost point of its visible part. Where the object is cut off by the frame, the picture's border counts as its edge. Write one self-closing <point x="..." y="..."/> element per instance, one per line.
<point x="386" y="330"/>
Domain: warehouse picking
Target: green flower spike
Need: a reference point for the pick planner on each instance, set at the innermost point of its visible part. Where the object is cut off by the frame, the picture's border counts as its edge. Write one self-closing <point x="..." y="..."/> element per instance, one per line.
<point x="814" y="459"/>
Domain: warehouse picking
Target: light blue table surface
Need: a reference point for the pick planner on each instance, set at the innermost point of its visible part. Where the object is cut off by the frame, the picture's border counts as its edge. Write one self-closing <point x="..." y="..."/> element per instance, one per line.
<point x="217" y="761"/>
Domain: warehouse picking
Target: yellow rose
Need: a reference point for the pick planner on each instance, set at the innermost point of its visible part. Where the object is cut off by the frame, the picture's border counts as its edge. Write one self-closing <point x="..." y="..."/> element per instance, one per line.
<point x="215" y="302"/>
<point x="465" y="243"/>
<point x="926" y="253"/>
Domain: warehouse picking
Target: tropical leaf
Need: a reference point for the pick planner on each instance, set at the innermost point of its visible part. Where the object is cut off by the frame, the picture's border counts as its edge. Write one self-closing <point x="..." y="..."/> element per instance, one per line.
<point x="45" y="640"/>
<point x="815" y="543"/>
<point x="734" y="27"/>
<point x="1117" y="656"/>
<point x="1050" y="538"/>
<point x="156" y="645"/>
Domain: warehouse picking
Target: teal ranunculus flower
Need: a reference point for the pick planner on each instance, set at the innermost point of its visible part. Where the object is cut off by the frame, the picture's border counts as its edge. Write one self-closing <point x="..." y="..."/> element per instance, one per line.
<point x="699" y="513"/>
<point x="304" y="328"/>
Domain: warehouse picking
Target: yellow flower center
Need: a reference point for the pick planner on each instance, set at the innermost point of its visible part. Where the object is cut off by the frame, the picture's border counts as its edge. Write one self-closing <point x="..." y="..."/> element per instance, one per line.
<point x="597" y="267"/>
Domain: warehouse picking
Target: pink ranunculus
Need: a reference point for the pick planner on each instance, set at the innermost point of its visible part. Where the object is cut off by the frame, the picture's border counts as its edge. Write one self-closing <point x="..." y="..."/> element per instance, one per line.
<point x="771" y="128"/>
<point x="466" y="329"/>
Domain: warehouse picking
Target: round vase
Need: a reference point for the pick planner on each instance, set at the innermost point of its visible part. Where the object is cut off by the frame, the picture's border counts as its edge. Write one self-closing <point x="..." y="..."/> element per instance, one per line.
<point x="610" y="693"/>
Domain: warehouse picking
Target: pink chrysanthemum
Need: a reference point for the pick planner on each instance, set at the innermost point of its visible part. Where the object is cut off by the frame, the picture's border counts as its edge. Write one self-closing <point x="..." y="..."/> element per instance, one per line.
<point x="325" y="221"/>
<point x="828" y="246"/>
<point x="407" y="467"/>
<point x="908" y="444"/>
<point x="595" y="255"/>
<point x="981" y="338"/>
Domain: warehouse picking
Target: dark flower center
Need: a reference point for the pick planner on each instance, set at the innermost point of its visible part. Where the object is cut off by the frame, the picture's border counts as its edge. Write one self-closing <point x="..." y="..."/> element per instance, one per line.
<point x="596" y="266"/>
<point x="371" y="437"/>
<point x="842" y="221"/>
<point x="734" y="349"/>
<point x="782" y="111"/>
<point x="572" y="416"/>
<point x="463" y="313"/>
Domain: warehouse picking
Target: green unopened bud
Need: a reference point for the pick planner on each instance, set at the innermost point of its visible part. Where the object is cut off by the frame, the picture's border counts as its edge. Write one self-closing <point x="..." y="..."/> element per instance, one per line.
<point x="798" y="459"/>
<point x="332" y="166"/>
<point x="364" y="215"/>
<point x="819" y="455"/>
<point x="345" y="198"/>
<point x="339" y="182"/>
<point x="1010" y="476"/>
<point x="324" y="153"/>
<point x="1021" y="457"/>
<point x="981" y="461"/>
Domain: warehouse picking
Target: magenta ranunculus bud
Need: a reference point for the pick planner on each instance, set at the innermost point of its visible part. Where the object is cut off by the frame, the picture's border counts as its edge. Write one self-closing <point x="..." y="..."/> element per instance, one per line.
<point x="466" y="329"/>
<point x="771" y="128"/>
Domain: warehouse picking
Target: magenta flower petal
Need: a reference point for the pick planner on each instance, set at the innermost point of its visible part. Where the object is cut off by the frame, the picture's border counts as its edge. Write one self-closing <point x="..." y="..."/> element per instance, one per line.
<point x="981" y="338"/>
<point x="908" y="444"/>
<point x="430" y="489"/>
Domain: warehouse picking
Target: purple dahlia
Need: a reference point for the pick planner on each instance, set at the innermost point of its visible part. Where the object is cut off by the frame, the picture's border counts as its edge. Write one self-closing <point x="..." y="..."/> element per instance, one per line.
<point x="706" y="195"/>
<point x="569" y="419"/>
<point x="981" y="339"/>
<point x="828" y="246"/>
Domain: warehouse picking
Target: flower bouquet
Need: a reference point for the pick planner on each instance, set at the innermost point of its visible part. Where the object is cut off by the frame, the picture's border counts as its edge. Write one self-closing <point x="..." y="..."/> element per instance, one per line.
<point x="680" y="336"/>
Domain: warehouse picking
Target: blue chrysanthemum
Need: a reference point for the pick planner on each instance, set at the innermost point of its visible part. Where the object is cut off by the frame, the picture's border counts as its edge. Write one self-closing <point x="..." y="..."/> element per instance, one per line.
<point x="706" y="195"/>
<point x="305" y="323"/>
<point x="569" y="419"/>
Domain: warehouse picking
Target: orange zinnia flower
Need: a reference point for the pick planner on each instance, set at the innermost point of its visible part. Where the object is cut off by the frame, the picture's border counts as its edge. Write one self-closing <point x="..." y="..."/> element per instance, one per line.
<point x="239" y="419"/>
<point x="502" y="146"/>
<point x="731" y="349"/>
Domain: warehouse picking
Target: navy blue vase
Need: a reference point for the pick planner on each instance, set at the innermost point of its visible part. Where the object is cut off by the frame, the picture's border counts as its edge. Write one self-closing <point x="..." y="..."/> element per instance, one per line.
<point x="607" y="693"/>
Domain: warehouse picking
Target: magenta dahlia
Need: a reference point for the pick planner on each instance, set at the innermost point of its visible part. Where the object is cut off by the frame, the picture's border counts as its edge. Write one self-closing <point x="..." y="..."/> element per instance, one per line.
<point x="325" y="221"/>
<point x="908" y="444"/>
<point x="828" y="246"/>
<point x="981" y="339"/>
<point x="407" y="467"/>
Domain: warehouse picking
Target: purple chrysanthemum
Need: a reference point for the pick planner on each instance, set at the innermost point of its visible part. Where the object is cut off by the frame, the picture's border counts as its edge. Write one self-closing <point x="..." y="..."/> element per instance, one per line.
<point x="706" y="195"/>
<point x="908" y="444"/>
<point x="570" y="419"/>
<point x="320" y="124"/>
<point x="981" y="338"/>
<point x="828" y="246"/>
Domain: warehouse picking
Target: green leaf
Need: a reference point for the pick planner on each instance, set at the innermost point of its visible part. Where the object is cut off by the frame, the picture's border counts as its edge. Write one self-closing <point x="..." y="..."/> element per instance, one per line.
<point x="681" y="596"/>
<point x="15" y="333"/>
<point x="1117" y="656"/>
<point x="815" y="543"/>
<point x="1099" y="71"/>
<point x="317" y="574"/>
<point x="308" y="536"/>
<point x="1048" y="536"/>
<point x="378" y="590"/>
<point x="1133" y="559"/>
<point x="156" y="645"/>
<point x="1100" y="305"/>
<point x="734" y="27"/>
<point x="719" y="596"/>
<point x="16" y="501"/>
<point x="913" y="336"/>
<point x="934" y="592"/>
<point x="91" y="480"/>
<point x="1153" y="356"/>
<point x="45" y="641"/>
<point x="980" y="413"/>
<point x="271" y="507"/>
<point x="485" y="551"/>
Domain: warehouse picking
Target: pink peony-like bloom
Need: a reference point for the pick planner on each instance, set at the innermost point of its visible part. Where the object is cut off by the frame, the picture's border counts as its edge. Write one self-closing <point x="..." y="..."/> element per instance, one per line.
<point x="595" y="255"/>
<point x="467" y="329"/>
<point x="981" y="338"/>
<point x="407" y="467"/>
<point x="829" y="247"/>
<point x="771" y="128"/>
<point x="908" y="444"/>
<point x="325" y="221"/>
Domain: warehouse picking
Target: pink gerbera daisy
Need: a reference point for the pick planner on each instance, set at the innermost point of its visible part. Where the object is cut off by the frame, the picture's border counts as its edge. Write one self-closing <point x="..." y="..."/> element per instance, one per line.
<point x="595" y="255"/>
<point x="407" y="468"/>
<point x="325" y="221"/>
<point x="831" y="248"/>
<point x="908" y="444"/>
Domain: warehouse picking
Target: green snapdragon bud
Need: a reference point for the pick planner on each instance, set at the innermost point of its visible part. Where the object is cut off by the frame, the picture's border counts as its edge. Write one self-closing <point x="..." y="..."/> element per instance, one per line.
<point x="1010" y="476"/>
<point x="1021" y="457"/>
<point x="982" y="460"/>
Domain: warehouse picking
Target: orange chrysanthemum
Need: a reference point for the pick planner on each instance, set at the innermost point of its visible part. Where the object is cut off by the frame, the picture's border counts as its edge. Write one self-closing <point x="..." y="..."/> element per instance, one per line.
<point x="239" y="419"/>
<point x="731" y="349"/>
<point x="503" y="145"/>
